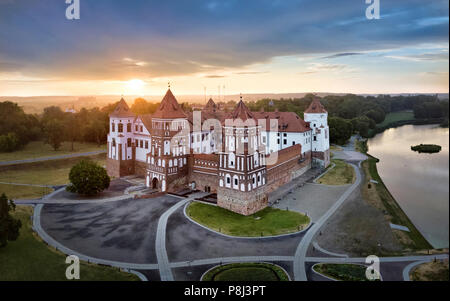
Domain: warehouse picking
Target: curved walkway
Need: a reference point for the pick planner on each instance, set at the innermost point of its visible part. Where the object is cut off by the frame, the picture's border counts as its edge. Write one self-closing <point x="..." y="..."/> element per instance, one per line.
<point x="300" y="254"/>
<point x="319" y="248"/>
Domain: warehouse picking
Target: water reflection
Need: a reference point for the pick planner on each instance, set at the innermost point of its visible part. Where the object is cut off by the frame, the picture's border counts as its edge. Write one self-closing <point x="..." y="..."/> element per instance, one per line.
<point x="419" y="182"/>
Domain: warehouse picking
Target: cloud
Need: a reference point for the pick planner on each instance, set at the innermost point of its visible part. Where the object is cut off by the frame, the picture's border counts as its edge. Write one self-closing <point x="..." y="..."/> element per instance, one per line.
<point x="178" y="37"/>
<point x="338" y="55"/>
<point x="421" y="57"/>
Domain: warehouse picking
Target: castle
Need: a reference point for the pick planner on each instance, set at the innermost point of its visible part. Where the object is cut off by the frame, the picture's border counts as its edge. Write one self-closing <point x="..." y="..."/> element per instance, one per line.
<point x="242" y="156"/>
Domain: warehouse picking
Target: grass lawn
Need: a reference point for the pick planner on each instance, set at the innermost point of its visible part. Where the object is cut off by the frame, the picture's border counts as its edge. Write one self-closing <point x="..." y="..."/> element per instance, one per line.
<point x="343" y="272"/>
<point x="431" y="271"/>
<point x="267" y="222"/>
<point x="38" y="149"/>
<point x="380" y="197"/>
<point x="54" y="172"/>
<point x="397" y="116"/>
<point x="341" y="174"/>
<point x="246" y="272"/>
<point x="15" y="192"/>
<point x="29" y="259"/>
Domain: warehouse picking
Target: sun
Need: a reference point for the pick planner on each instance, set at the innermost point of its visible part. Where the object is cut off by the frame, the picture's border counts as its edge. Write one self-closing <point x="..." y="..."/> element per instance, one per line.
<point x="135" y="84"/>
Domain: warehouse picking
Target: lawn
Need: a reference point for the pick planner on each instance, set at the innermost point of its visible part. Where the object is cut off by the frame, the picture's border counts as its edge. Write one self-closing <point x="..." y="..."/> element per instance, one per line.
<point x="246" y="272"/>
<point x="267" y="222"/>
<point x="29" y="259"/>
<point x="343" y="272"/>
<point x="38" y="149"/>
<point x="395" y="117"/>
<point x="54" y="172"/>
<point x="431" y="271"/>
<point x="380" y="197"/>
<point x="24" y="192"/>
<point x="341" y="174"/>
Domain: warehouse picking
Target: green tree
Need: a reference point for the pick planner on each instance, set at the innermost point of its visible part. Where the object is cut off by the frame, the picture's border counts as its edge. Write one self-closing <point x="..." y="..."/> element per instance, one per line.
<point x="54" y="133"/>
<point x="9" y="142"/>
<point x="340" y="130"/>
<point x="88" y="178"/>
<point x="9" y="226"/>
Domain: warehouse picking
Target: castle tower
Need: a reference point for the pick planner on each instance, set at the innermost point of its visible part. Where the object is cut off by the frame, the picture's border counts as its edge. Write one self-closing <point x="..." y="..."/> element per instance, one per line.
<point x="169" y="150"/>
<point x="121" y="149"/>
<point x="317" y="117"/>
<point x="242" y="169"/>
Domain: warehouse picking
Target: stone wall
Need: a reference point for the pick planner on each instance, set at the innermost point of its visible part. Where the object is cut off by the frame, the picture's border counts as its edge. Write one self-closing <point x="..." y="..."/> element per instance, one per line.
<point x="322" y="158"/>
<point x="245" y="203"/>
<point x="291" y="164"/>
<point x="141" y="168"/>
<point x="118" y="169"/>
<point x="202" y="180"/>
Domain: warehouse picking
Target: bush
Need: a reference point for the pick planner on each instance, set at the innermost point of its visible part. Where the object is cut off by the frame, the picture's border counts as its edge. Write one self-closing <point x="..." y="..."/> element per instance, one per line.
<point x="9" y="142"/>
<point x="88" y="178"/>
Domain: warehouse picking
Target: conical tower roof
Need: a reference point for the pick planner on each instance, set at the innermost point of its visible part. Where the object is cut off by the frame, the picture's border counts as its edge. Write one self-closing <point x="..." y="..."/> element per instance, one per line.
<point x="169" y="108"/>
<point x="315" y="107"/>
<point x="122" y="110"/>
<point x="210" y="106"/>
<point x="241" y="112"/>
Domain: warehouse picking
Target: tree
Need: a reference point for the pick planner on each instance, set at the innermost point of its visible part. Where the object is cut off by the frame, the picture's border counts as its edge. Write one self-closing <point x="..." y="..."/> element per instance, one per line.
<point x="9" y="226"/>
<point x="9" y="142"/>
<point x="88" y="178"/>
<point x="54" y="133"/>
<point x="340" y="130"/>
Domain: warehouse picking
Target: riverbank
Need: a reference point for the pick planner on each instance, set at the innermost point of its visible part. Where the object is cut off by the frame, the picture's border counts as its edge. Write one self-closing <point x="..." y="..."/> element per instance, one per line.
<point x="380" y="197"/>
<point x="397" y="119"/>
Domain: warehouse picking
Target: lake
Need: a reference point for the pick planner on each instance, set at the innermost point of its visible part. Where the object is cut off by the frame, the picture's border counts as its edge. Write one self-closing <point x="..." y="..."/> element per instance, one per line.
<point x="419" y="182"/>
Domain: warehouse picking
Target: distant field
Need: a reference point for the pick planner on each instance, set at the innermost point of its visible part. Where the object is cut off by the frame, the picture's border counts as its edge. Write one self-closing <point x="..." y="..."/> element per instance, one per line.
<point x="29" y="259"/>
<point x="397" y="116"/>
<point x="38" y="149"/>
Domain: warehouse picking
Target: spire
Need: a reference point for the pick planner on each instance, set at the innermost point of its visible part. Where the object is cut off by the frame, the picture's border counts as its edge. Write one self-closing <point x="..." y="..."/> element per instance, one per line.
<point x="169" y="108"/>
<point x="241" y="111"/>
<point x="316" y="107"/>
<point x="210" y="106"/>
<point x="122" y="110"/>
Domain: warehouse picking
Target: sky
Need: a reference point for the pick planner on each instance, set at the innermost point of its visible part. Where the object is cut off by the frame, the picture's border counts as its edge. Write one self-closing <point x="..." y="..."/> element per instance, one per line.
<point x="136" y="47"/>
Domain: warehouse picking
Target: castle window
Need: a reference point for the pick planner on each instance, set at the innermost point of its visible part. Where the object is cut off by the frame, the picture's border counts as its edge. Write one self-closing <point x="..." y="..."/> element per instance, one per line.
<point x="128" y="127"/>
<point x="114" y="142"/>
<point x="285" y="141"/>
<point x="142" y="143"/>
<point x="129" y="142"/>
<point x="228" y="180"/>
<point x="120" y="128"/>
<point x="142" y="128"/>
<point x="278" y="141"/>
<point x="136" y="128"/>
<point x="235" y="181"/>
<point x="113" y="127"/>
<point x="315" y="138"/>
<point x="146" y="144"/>
<point x="293" y="143"/>
<point x="284" y="135"/>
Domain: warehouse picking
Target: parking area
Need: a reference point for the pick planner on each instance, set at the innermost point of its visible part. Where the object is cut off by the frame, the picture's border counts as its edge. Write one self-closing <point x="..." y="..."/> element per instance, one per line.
<point x="122" y="230"/>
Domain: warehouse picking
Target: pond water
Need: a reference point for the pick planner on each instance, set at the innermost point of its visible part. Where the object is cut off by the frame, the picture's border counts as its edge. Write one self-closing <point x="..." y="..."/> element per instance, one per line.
<point x="419" y="182"/>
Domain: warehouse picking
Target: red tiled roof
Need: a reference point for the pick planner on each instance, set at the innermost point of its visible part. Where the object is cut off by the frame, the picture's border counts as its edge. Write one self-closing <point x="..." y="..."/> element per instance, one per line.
<point x="122" y="110"/>
<point x="287" y="121"/>
<point x="315" y="107"/>
<point x="169" y="108"/>
<point x="210" y="106"/>
<point x="241" y="112"/>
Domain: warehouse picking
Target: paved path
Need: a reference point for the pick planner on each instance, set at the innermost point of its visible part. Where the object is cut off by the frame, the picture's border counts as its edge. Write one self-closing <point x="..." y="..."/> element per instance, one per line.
<point x="300" y="254"/>
<point x="165" y="269"/>
<point x="382" y="259"/>
<point x="32" y="185"/>
<point x="4" y="163"/>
